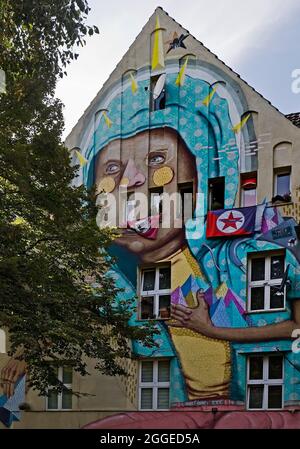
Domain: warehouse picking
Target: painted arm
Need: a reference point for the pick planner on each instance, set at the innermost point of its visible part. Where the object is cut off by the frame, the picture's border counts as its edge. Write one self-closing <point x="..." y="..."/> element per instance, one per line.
<point x="198" y="320"/>
<point x="14" y="368"/>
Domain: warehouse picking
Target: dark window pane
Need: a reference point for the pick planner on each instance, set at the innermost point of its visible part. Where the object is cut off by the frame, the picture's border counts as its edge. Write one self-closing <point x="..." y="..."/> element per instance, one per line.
<point x="256" y="396"/>
<point x="257" y="298"/>
<point x="147" y="307"/>
<point x="276" y="299"/>
<point x="256" y="368"/>
<point x="275" y="367"/>
<point x="275" y="396"/>
<point x="258" y="269"/>
<point x="146" y="398"/>
<point x="67" y="399"/>
<point x="216" y="192"/>
<point x="52" y="400"/>
<point x="283" y="184"/>
<point x="164" y="278"/>
<point x="277" y="267"/>
<point x="149" y="280"/>
<point x="147" y="372"/>
<point x="186" y="207"/>
<point x="164" y="306"/>
<point x="164" y="371"/>
<point x="55" y="371"/>
<point x="163" y="398"/>
<point x="67" y="374"/>
<point x="54" y="376"/>
<point x="157" y="103"/>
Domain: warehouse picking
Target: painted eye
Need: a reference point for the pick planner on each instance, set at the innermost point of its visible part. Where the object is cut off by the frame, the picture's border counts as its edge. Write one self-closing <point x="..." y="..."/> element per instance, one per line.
<point x="112" y="168"/>
<point x="156" y="159"/>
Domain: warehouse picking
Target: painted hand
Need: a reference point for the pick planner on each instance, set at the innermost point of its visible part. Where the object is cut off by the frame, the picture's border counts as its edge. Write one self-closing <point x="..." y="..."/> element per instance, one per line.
<point x="10" y="374"/>
<point x="196" y="319"/>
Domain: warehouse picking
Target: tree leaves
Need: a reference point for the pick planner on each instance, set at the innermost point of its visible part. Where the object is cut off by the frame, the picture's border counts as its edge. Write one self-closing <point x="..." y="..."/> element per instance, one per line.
<point x="51" y="310"/>
<point x="47" y="30"/>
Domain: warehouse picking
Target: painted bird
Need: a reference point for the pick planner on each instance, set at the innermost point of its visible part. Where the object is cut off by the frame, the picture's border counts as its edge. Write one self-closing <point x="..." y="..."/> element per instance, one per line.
<point x="177" y="42"/>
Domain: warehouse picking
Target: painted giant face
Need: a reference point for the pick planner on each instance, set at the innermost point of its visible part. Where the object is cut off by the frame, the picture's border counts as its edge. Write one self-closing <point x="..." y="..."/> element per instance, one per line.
<point x="156" y="159"/>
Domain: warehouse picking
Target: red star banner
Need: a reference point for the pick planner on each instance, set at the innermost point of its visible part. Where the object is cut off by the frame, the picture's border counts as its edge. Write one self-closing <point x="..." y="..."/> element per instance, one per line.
<point x="231" y="222"/>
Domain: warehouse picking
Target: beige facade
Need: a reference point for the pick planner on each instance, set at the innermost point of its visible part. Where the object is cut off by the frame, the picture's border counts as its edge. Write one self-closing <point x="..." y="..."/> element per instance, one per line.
<point x="100" y="396"/>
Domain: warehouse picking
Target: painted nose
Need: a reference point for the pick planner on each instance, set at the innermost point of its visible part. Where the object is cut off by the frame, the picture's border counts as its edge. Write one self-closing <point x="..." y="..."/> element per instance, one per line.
<point x="131" y="176"/>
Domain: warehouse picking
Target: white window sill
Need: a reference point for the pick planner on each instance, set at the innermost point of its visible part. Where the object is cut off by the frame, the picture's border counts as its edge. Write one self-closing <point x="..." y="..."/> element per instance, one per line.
<point x="252" y="312"/>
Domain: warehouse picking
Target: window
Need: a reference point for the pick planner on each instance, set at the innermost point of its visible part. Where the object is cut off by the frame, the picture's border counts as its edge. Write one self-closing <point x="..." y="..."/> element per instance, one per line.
<point x="248" y="190"/>
<point x="282" y="188"/>
<point x="157" y="102"/>
<point x="2" y="342"/>
<point x="63" y="400"/>
<point x="155" y="293"/>
<point x="265" y="382"/>
<point x="265" y="273"/>
<point x="154" y="385"/>
<point x="216" y="193"/>
<point x="130" y="207"/>
<point x="155" y="203"/>
<point x="186" y="195"/>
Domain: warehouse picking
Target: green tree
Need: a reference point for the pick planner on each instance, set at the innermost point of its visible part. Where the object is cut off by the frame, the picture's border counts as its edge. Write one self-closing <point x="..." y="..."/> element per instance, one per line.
<point x="57" y="300"/>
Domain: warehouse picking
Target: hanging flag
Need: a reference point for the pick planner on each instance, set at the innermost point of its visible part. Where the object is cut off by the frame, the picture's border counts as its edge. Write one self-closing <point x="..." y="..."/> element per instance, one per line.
<point x="107" y="120"/>
<point x="209" y="97"/>
<point x="134" y="85"/>
<point x="82" y="160"/>
<point x="231" y="222"/>
<point x="270" y="219"/>
<point x="147" y="227"/>
<point x="181" y="75"/>
<point x="158" y="59"/>
<point x="260" y="211"/>
<point x="237" y="128"/>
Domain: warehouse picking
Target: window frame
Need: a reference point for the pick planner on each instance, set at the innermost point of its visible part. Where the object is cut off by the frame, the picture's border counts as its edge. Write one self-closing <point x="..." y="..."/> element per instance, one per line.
<point x="182" y="190"/>
<point x="282" y="172"/>
<point x="243" y="196"/>
<point x="267" y="282"/>
<point x="265" y="382"/>
<point x="156" y="293"/>
<point x="154" y="385"/>
<point x="213" y="183"/>
<point x="243" y="190"/>
<point x="162" y="96"/>
<point x="132" y="203"/>
<point x="155" y="192"/>
<point x="60" y="394"/>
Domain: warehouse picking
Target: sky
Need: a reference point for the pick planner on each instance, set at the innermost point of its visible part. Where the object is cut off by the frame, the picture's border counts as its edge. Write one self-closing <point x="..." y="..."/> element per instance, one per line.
<point x="259" y="39"/>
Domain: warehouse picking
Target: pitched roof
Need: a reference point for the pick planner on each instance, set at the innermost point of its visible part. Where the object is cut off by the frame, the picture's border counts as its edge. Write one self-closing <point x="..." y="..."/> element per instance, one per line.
<point x="294" y="117"/>
<point x="199" y="42"/>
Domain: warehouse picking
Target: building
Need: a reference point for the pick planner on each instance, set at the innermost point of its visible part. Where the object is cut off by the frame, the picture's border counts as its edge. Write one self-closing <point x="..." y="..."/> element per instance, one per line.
<point x="173" y="118"/>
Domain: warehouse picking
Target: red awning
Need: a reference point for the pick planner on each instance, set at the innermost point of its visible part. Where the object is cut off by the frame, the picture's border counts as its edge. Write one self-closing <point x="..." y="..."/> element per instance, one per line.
<point x="249" y="183"/>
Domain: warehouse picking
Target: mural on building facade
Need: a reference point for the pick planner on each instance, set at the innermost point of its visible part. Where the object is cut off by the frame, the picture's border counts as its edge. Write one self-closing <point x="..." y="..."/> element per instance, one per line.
<point x="178" y="122"/>
<point x="202" y="131"/>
